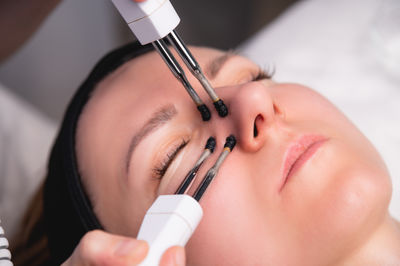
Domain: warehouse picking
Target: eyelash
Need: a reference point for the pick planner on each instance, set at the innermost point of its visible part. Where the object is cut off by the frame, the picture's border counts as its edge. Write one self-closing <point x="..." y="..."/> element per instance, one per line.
<point x="162" y="167"/>
<point x="264" y="74"/>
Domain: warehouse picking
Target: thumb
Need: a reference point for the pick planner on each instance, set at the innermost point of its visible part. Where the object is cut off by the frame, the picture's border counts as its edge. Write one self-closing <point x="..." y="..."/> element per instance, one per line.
<point x="101" y="248"/>
<point x="174" y="256"/>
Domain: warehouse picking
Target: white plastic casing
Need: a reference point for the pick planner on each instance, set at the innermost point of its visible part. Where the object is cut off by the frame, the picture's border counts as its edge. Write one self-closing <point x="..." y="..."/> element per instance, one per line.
<point x="170" y="221"/>
<point x="149" y="20"/>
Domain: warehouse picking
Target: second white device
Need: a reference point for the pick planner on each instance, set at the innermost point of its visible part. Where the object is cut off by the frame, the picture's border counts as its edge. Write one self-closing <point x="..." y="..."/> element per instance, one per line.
<point x="170" y="221"/>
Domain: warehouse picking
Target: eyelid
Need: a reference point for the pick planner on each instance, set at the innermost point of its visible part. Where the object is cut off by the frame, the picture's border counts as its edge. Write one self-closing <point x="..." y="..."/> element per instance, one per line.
<point x="251" y="74"/>
<point x="161" y="167"/>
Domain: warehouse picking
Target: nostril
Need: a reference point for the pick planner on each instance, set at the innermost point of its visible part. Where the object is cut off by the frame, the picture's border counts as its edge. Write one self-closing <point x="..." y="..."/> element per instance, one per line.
<point x="258" y="119"/>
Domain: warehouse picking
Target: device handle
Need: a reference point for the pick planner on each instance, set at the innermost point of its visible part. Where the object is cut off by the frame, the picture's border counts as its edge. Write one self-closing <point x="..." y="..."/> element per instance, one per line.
<point x="170" y="221"/>
<point x="150" y="20"/>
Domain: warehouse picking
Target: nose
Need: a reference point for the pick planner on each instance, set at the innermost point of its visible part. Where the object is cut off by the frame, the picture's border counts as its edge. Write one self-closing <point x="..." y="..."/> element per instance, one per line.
<point x="252" y="113"/>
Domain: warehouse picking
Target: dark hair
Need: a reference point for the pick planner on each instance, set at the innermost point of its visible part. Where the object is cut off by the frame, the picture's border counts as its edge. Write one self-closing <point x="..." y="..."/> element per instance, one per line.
<point x="68" y="213"/>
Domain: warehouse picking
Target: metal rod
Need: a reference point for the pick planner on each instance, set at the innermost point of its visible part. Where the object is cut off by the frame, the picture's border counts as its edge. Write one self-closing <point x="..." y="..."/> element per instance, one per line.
<point x="228" y="147"/>
<point x="194" y="67"/>
<point x="188" y="181"/>
<point x="162" y="48"/>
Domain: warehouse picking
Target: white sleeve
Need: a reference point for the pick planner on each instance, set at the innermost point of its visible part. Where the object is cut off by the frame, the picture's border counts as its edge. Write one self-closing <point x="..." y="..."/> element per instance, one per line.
<point x="5" y="255"/>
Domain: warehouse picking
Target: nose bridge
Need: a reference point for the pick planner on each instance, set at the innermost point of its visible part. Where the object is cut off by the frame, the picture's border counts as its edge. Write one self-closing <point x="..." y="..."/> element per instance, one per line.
<point x="250" y="112"/>
<point x="252" y="96"/>
<point x="222" y="127"/>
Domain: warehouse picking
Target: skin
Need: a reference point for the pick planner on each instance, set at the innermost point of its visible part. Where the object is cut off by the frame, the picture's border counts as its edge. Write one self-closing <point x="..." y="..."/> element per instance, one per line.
<point x="331" y="211"/>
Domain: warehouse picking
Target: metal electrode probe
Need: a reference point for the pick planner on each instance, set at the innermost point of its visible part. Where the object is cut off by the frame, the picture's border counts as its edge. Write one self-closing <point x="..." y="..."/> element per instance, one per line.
<point x="152" y="21"/>
<point x="228" y="147"/>
<point x="194" y="67"/>
<point x="162" y="48"/>
<point x="189" y="178"/>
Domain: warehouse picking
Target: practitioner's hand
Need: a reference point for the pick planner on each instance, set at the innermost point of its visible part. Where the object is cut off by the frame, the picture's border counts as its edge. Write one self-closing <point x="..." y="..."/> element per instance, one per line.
<point x="138" y="1"/>
<point x="101" y="248"/>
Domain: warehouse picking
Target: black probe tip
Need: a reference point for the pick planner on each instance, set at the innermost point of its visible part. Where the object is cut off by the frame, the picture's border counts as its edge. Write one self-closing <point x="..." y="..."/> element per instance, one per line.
<point x="205" y="112"/>
<point x="230" y="142"/>
<point x="211" y="144"/>
<point x="221" y="108"/>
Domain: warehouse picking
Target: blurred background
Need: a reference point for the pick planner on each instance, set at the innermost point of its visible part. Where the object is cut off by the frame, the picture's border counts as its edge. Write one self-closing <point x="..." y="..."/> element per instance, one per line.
<point x="48" y="69"/>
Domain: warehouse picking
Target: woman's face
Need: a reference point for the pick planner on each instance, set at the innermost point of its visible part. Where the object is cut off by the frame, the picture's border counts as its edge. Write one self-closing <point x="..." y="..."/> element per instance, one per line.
<point x="302" y="186"/>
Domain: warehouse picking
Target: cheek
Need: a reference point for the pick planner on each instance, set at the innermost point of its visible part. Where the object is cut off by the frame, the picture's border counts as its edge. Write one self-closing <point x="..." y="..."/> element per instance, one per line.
<point x="360" y="191"/>
<point x="235" y="216"/>
<point x="339" y="203"/>
<point x="225" y="199"/>
<point x="294" y="101"/>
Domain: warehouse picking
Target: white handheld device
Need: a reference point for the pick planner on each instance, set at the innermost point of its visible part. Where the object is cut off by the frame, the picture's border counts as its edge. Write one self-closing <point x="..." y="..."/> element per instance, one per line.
<point x="150" y="20"/>
<point x="170" y="221"/>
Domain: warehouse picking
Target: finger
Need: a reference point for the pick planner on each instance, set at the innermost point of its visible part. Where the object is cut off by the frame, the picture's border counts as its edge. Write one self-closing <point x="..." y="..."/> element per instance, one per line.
<point x="138" y="1"/>
<point x="174" y="256"/>
<point x="101" y="248"/>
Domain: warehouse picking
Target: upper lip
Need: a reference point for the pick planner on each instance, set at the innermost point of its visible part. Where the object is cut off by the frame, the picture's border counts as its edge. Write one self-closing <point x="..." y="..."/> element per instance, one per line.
<point x="295" y="150"/>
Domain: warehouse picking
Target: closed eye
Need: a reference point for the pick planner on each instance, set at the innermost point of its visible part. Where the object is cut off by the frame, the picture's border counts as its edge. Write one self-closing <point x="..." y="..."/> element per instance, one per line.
<point x="161" y="167"/>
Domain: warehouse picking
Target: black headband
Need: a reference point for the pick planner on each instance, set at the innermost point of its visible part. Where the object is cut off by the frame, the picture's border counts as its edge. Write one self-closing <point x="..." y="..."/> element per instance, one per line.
<point x="68" y="213"/>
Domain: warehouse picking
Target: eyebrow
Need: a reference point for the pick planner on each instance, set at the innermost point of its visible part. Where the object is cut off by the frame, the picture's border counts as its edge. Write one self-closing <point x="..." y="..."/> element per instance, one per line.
<point x="213" y="67"/>
<point x="157" y="119"/>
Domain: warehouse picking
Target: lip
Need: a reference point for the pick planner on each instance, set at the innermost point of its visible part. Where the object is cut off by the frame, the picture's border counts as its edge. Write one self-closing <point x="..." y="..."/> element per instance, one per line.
<point x="298" y="153"/>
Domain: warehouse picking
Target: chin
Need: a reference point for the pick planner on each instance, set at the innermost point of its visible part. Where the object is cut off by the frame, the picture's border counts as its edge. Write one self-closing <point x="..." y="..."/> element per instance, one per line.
<point x="360" y="206"/>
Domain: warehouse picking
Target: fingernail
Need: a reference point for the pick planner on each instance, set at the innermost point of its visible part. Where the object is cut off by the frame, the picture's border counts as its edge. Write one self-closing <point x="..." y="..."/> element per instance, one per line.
<point x="180" y="257"/>
<point x="127" y="247"/>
